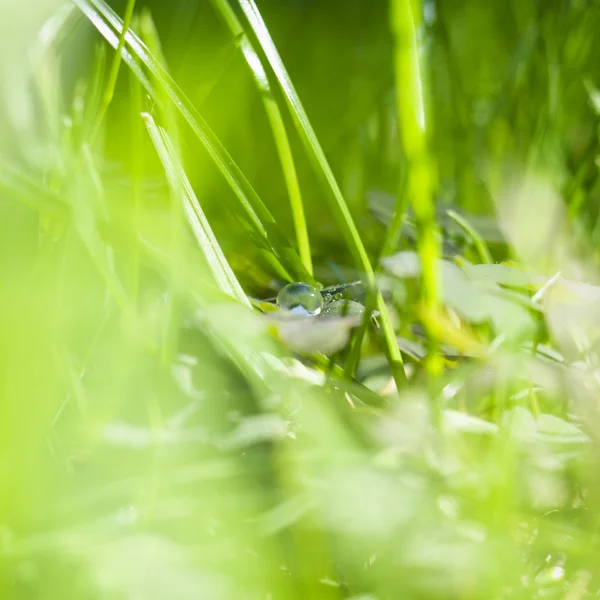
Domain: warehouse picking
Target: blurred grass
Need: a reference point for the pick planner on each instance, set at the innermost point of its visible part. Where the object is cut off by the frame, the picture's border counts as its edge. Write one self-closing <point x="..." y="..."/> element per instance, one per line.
<point x="161" y="438"/>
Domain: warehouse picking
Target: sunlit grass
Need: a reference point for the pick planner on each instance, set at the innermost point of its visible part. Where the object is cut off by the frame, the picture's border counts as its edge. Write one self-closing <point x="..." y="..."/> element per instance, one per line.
<point x="167" y="432"/>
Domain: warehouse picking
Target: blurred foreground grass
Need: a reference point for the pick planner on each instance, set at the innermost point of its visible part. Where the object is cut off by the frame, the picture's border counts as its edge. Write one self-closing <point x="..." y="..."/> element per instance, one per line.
<point x="162" y="437"/>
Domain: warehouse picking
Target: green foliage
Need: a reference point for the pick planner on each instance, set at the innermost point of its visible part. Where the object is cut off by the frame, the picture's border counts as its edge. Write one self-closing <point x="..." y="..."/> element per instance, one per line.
<point x="169" y="430"/>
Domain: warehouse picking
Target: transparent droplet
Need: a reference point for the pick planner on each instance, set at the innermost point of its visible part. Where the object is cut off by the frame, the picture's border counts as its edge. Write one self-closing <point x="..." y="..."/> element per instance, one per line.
<point x="343" y="308"/>
<point x="301" y="299"/>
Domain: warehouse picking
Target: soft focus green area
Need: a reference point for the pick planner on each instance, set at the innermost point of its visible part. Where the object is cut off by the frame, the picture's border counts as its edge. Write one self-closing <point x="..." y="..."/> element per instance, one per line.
<point x="167" y="431"/>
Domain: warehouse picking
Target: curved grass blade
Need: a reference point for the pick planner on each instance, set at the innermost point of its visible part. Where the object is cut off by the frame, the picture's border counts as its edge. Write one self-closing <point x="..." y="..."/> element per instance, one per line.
<point x="281" y="139"/>
<point x="201" y="229"/>
<point x="255" y="216"/>
<point x="333" y="192"/>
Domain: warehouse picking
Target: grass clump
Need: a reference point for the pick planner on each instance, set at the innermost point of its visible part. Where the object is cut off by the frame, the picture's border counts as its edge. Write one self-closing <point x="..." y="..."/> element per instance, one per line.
<point x="168" y="431"/>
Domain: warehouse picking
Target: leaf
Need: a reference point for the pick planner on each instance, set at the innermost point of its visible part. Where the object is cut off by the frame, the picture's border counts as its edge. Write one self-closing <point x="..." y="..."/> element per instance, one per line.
<point x="502" y="274"/>
<point x="308" y="335"/>
<point x="522" y="425"/>
<point x="474" y="303"/>
<point x="555" y="430"/>
<point x="254" y="430"/>
<point x="405" y="264"/>
<point x="519" y="423"/>
<point x="457" y="421"/>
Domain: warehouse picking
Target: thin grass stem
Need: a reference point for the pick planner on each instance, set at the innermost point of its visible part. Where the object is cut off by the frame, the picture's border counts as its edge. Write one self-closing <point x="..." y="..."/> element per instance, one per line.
<point x="478" y="241"/>
<point x="109" y="91"/>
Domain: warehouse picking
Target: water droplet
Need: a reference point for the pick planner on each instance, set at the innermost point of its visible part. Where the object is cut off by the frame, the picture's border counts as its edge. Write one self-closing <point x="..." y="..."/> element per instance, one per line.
<point x="301" y="299"/>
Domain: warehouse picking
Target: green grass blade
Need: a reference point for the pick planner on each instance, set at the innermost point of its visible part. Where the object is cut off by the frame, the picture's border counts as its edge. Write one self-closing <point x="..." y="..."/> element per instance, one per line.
<point x="420" y="176"/>
<point x="94" y="90"/>
<point x="201" y="229"/>
<point x="480" y="244"/>
<point x="392" y="235"/>
<point x="277" y="125"/>
<point x="334" y="194"/>
<point x="114" y="68"/>
<point x="309" y="138"/>
<point x="255" y="216"/>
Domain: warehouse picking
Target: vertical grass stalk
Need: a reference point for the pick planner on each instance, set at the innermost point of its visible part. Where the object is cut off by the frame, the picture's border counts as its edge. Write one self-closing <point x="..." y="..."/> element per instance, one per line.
<point x="279" y="133"/>
<point x="420" y="173"/>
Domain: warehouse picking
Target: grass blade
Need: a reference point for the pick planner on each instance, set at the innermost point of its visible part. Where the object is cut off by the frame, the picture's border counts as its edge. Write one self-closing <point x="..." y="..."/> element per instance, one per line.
<point x="114" y="69"/>
<point x="201" y="229"/>
<point x="255" y="216"/>
<point x="481" y="246"/>
<point x="420" y="176"/>
<point x="309" y="138"/>
<point x="281" y="140"/>
<point x="334" y="194"/>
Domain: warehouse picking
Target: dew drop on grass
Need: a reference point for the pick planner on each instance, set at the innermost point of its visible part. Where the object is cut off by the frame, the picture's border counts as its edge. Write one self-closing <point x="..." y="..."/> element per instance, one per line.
<point x="301" y="299"/>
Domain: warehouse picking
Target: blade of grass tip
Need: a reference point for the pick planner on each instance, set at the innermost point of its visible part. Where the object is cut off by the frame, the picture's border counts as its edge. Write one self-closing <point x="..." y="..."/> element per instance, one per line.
<point x="223" y="274"/>
<point x="277" y="125"/>
<point x="420" y="177"/>
<point x="478" y="241"/>
<point x="255" y="217"/>
<point x="114" y="69"/>
<point x="334" y="195"/>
